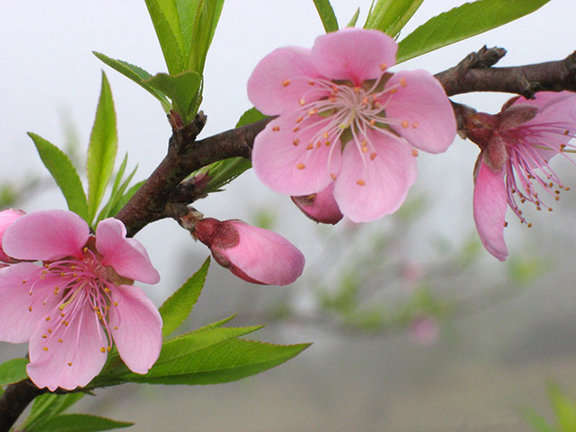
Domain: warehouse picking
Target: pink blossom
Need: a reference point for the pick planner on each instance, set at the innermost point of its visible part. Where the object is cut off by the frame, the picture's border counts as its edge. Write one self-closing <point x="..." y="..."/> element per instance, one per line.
<point x="344" y="118"/>
<point x="320" y="206"/>
<point x="517" y="145"/>
<point x="7" y="217"/>
<point x="79" y="301"/>
<point x="254" y="254"/>
<point x="425" y="330"/>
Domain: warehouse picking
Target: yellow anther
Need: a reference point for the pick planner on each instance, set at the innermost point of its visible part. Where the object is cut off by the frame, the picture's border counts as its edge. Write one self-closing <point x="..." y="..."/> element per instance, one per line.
<point x="312" y="111"/>
<point x="319" y="144"/>
<point x="69" y="363"/>
<point x="405" y="124"/>
<point x="505" y="224"/>
<point x="360" y="182"/>
<point x="310" y="146"/>
<point x="66" y="323"/>
<point x="383" y="66"/>
<point x="296" y="129"/>
<point x="44" y="336"/>
<point x="60" y="341"/>
<point x="364" y="149"/>
<point x="102" y="349"/>
<point x="333" y="176"/>
<point x="302" y="101"/>
<point x="415" y="125"/>
<point x="286" y="83"/>
<point x="115" y="327"/>
<point x="300" y="166"/>
<point x="48" y="318"/>
<point x="299" y="119"/>
<point x="296" y="142"/>
<point x="394" y="90"/>
<point x="30" y="308"/>
<point x="325" y="134"/>
<point x="115" y="303"/>
<point x="373" y="156"/>
<point x="276" y="128"/>
<point x="327" y="143"/>
<point x="403" y="82"/>
<point x="311" y="82"/>
<point x="529" y="225"/>
<point x="372" y="122"/>
<point x="49" y="331"/>
<point x="414" y="152"/>
<point x="45" y="348"/>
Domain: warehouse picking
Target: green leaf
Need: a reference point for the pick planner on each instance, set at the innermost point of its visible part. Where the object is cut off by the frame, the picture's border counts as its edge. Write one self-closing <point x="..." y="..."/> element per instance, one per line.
<point x="64" y="174"/>
<point x="179" y="305"/>
<point x="174" y="357"/>
<point x="463" y="22"/>
<point x="13" y="371"/>
<point x="166" y="20"/>
<point x="102" y="148"/>
<point x="49" y="405"/>
<point x="564" y="409"/>
<point x="198" y="20"/>
<point x="390" y="16"/>
<point x="117" y="198"/>
<point x="230" y="361"/>
<point x="327" y="15"/>
<point x="78" y="423"/>
<point x="537" y="422"/>
<point x="136" y="74"/>
<point x="354" y="19"/>
<point x="251" y="115"/>
<point x="183" y="89"/>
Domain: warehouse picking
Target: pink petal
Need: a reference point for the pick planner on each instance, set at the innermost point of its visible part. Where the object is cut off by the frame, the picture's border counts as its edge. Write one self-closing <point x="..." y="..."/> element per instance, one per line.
<point x="127" y="256"/>
<point x="136" y="328"/>
<point x="280" y="80"/>
<point x="294" y="169"/>
<point x="264" y="256"/>
<point x="69" y="356"/>
<point x="7" y="217"/>
<point x="22" y="311"/>
<point x="422" y="109"/>
<point x="46" y="235"/>
<point x="490" y="203"/>
<point x="354" y="54"/>
<point x="321" y="206"/>
<point x="386" y="179"/>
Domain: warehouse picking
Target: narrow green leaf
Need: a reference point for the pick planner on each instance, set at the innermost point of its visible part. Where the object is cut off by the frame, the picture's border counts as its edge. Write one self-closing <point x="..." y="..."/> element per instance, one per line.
<point x="230" y="361"/>
<point x="78" y="423"/>
<point x="327" y="15"/>
<point x="390" y="16"/>
<point x="463" y="22"/>
<point x="183" y="89"/>
<point x="174" y="356"/>
<point x="198" y="21"/>
<point x="49" y="405"/>
<point x="564" y="409"/>
<point x="166" y="20"/>
<point x="13" y="371"/>
<point x="118" y="190"/>
<point x="537" y="422"/>
<point x="354" y="19"/>
<point x="251" y="115"/>
<point x="102" y="148"/>
<point x="136" y="74"/>
<point x="64" y="174"/>
<point x="179" y="305"/>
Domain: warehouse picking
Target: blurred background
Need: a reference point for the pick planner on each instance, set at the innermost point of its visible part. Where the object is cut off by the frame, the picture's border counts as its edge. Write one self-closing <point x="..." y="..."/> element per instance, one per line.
<point x="415" y="327"/>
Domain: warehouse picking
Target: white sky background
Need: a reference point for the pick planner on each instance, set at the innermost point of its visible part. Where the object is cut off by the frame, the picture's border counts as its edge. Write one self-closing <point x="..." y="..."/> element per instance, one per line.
<point x="47" y="74"/>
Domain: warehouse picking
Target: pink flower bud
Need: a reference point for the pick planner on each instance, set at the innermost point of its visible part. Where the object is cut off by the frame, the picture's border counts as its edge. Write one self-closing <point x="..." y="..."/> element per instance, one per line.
<point x="254" y="254"/>
<point x="320" y="207"/>
<point x="7" y="217"/>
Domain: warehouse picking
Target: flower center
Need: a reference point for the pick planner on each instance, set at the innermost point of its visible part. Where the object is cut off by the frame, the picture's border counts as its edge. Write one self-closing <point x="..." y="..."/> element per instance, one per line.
<point x="334" y="114"/>
<point x="71" y="287"/>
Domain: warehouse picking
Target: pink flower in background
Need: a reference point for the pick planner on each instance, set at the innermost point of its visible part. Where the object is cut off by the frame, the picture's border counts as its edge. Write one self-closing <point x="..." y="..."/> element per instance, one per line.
<point x="517" y="145"/>
<point x="7" y="217"/>
<point x="343" y="118"/>
<point x="81" y="300"/>
<point x="424" y="330"/>
<point x="254" y="254"/>
<point x="320" y="206"/>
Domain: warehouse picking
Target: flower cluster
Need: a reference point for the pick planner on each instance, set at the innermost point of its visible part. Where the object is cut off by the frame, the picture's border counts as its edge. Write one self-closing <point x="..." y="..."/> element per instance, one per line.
<point x="345" y="121"/>
<point x="517" y="145"/>
<point x="79" y="301"/>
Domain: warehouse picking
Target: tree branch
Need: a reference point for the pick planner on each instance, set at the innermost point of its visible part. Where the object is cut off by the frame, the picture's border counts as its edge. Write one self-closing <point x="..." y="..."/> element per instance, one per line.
<point x="14" y="400"/>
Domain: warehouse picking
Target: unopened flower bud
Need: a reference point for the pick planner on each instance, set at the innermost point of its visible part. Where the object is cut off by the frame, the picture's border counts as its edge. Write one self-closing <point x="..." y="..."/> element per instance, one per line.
<point x="254" y="254"/>
<point x="7" y="217"/>
<point x="320" y="207"/>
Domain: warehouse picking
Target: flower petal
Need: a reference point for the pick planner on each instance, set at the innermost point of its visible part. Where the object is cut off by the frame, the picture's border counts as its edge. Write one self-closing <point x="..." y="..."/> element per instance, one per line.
<point x="369" y="188"/>
<point x="321" y="206"/>
<point x="354" y="54"/>
<point x="490" y="203"/>
<point x="67" y="355"/>
<point x="127" y="256"/>
<point x="7" y="217"/>
<point x="46" y="235"/>
<point x="295" y="163"/>
<point x="281" y="79"/>
<point x="422" y="109"/>
<point x="136" y="328"/>
<point x="262" y="255"/>
<point x="26" y="300"/>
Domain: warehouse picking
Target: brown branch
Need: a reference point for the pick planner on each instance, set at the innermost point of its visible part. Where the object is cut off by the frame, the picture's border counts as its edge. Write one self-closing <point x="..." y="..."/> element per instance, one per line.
<point x="14" y="400"/>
